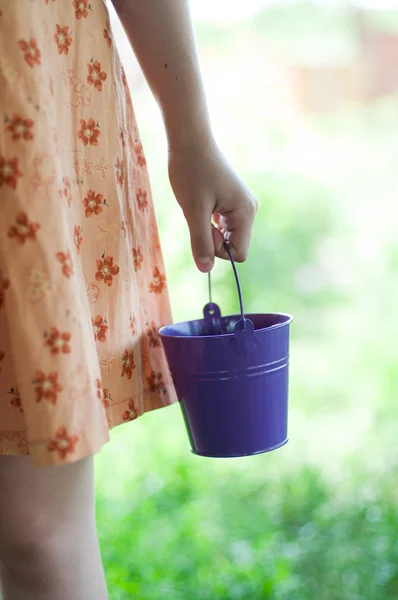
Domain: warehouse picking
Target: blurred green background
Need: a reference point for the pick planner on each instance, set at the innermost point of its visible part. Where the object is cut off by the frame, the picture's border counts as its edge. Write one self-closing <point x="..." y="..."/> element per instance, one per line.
<point x="304" y="103"/>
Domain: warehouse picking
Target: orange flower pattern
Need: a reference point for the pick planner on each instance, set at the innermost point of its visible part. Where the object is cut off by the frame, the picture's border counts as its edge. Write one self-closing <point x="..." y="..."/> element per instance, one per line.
<point x="4" y="285"/>
<point x="133" y="325"/>
<point x="32" y="53"/>
<point x="106" y="399"/>
<point x="58" y="342"/>
<point x="89" y="132"/>
<point x="142" y="199"/>
<point x="119" y="167"/>
<point x="140" y="155"/>
<point x="100" y="328"/>
<point x="66" y="192"/>
<point x="158" y="283"/>
<point x="62" y="39"/>
<point x="128" y="364"/>
<point x="138" y="258"/>
<point x="9" y="172"/>
<point x="47" y="386"/>
<point x="16" y="401"/>
<point x="131" y="413"/>
<point x="63" y="444"/>
<point x="81" y="8"/>
<point x="78" y="238"/>
<point x="66" y="261"/>
<point x="152" y="333"/>
<point x="107" y="34"/>
<point x="95" y="75"/>
<point x="23" y="230"/>
<point x="80" y="258"/>
<point x="93" y="203"/>
<point x="106" y="270"/>
<point x="156" y="383"/>
<point x="20" y="128"/>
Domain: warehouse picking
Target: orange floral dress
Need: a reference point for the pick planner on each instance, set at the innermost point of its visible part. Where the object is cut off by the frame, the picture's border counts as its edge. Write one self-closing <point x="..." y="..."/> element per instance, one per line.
<point x="82" y="282"/>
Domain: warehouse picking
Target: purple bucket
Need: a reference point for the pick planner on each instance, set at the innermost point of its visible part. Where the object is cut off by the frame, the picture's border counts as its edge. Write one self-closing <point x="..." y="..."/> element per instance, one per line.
<point x="231" y="378"/>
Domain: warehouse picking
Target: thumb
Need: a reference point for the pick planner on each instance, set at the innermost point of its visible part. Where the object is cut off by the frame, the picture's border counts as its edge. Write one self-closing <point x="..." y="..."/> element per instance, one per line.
<point x="202" y="244"/>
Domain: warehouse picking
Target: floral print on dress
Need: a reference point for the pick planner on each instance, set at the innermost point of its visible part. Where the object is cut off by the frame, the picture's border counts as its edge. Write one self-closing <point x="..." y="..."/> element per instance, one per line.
<point x="131" y="413"/>
<point x="89" y="132"/>
<point x="9" y="172"/>
<point x="66" y="192"/>
<point x="81" y="8"/>
<point x="21" y="129"/>
<point x="93" y="203"/>
<point x="80" y="257"/>
<point x="39" y="286"/>
<point x="140" y="155"/>
<point x="158" y="283"/>
<point x="102" y="166"/>
<point x="156" y="383"/>
<point x="152" y="333"/>
<point x="63" y="39"/>
<point x="142" y="199"/>
<point x="106" y="399"/>
<point x="4" y="285"/>
<point x="47" y="386"/>
<point x="107" y="362"/>
<point x="107" y="34"/>
<point x="100" y="328"/>
<point x="78" y="238"/>
<point x="31" y="52"/>
<point x="128" y="363"/>
<point x="95" y="75"/>
<point x="133" y="325"/>
<point x="23" y="230"/>
<point x="119" y="168"/>
<point x="138" y="258"/>
<point x="124" y="78"/>
<point x="58" y="342"/>
<point x="44" y="174"/>
<point x="16" y="401"/>
<point x="63" y="444"/>
<point x="66" y="261"/>
<point x="106" y="270"/>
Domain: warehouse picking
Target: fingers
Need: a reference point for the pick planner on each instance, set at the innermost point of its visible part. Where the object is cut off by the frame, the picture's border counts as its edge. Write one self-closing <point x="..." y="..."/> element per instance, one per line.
<point x="207" y="240"/>
<point x="240" y="238"/>
<point x="200" y="229"/>
<point x="236" y="227"/>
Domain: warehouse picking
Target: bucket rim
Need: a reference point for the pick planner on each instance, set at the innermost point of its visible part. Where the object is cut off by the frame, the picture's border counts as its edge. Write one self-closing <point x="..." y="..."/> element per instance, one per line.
<point x="226" y="335"/>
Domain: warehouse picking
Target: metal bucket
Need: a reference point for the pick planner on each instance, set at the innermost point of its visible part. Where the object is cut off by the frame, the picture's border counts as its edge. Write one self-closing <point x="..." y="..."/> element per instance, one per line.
<point x="231" y="378"/>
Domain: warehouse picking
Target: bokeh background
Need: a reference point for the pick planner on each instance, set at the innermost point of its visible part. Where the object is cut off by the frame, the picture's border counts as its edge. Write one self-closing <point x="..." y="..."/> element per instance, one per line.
<point x="304" y="103"/>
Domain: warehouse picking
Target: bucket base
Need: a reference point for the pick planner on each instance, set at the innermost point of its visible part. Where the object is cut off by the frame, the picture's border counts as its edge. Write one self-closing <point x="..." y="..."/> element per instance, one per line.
<point x="242" y="455"/>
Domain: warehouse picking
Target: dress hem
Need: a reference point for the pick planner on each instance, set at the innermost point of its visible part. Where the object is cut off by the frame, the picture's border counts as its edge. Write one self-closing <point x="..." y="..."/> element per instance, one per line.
<point x="17" y="444"/>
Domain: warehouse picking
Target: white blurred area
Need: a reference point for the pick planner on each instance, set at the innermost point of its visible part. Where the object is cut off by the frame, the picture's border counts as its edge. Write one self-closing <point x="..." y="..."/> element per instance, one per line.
<point x="236" y="9"/>
<point x="220" y="10"/>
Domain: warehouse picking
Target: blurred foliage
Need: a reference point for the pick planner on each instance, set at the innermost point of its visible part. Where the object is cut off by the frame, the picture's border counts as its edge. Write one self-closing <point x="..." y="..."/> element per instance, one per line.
<point x="316" y="519"/>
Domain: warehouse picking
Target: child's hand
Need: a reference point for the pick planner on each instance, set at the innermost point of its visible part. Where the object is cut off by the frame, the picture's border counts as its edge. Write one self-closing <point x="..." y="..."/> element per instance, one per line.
<point x="207" y="188"/>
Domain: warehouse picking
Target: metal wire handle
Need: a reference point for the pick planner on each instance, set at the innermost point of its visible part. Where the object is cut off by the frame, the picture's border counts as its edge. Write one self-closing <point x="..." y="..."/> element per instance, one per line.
<point x="242" y="313"/>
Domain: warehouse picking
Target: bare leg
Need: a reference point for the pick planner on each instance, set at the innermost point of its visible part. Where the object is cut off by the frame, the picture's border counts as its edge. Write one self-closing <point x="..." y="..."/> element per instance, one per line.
<point x="48" y="539"/>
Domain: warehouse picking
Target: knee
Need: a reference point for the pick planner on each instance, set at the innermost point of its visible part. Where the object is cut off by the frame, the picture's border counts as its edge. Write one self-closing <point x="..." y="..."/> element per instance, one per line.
<point x="33" y="555"/>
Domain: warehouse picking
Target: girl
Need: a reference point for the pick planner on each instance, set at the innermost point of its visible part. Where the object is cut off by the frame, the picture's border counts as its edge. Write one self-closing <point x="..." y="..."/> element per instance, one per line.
<point x="82" y="283"/>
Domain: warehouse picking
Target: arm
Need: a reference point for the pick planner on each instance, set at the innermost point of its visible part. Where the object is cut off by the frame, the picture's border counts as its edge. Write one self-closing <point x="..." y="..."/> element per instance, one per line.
<point x="205" y="186"/>
<point x="161" y="34"/>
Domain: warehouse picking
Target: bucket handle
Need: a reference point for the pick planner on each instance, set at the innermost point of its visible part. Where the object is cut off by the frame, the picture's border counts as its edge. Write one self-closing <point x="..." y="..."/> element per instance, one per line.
<point x="244" y="338"/>
<point x="242" y="312"/>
